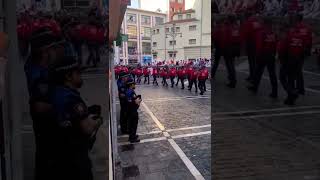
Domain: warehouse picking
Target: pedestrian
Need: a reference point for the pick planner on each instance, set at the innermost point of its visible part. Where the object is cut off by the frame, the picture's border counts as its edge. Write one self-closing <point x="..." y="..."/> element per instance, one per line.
<point x="45" y="51"/>
<point x="306" y="35"/>
<point x="77" y="124"/>
<point x="189" y="74"/>
<point x="155" y="73"/>
<point x="146" y="74"/>
<point x="122" y="89"/>
<point x="203" y="76"/>
<point x="231" y="35"/>
<point x="193" y="79"/>
<point x="249" y="29"/>
<point x="266" y="52"/>
<point x="295" y="47"/>
<point x="139" y="74"/>
<point x="219" y="44"/>
<point x="165" y="75"/>
<point x="172" y="75"/>
<point x="182" y="76"/>
<point x="133" y="116"/>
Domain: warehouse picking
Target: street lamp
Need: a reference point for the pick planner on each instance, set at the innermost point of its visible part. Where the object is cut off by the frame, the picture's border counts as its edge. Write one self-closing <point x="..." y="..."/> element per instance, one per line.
<point x="173" y="34"/>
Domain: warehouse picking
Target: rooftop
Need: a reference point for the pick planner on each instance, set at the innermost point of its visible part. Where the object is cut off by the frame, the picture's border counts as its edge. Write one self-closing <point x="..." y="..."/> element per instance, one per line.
<point x="182" y="21"/>
<point x="185" y="11"/>
<point x="146" y="11"/>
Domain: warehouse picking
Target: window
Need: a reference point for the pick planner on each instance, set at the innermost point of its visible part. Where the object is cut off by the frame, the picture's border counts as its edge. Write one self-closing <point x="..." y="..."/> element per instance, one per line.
<point x="131" y="18"/>
<point x="154" y="31"/>
<point x="177" y="29"/>
<point x="146" y="20"/>
<point x="158" y="31"/>
<point x="155" y="56"/>
<point x="154" y="44"/>
<point x="132" y="47"/>
<point x="167" y="29"/>
<point x="172" y="30"/>
<point x="192" y="41"/>
<point x="132" y="32"/>
<point x="179" y="16"/>
<point x="159" y="20"/>
<point x="188" y="16"/>
<point x="172" y="43"/>
<point x="172" y="55"/>
<point x="192" y="28"/>
<point x="146" y="33"/>
<point x="146" y="48"/>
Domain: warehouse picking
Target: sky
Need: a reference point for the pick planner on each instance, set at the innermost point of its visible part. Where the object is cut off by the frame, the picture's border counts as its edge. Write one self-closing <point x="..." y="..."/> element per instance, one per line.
<point x="153" y="5"/>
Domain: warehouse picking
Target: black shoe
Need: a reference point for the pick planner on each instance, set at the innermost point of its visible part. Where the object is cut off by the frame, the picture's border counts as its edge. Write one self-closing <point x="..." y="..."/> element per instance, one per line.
<point x="289" y="102"/>
<point x="273" y="95"/>
<point x="301" y="92"/>
<point x="252" y="89"/>
<point x="231" y="85"/>
<point x="136" y="140"/>
<point x="201" y="93"/>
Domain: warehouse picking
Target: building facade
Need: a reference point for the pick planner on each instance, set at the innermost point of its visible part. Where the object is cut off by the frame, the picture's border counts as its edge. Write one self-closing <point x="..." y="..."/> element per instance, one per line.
<point x="175" y="6"/>
<point x="137" y="24"/>
<point x="187" y="36"/>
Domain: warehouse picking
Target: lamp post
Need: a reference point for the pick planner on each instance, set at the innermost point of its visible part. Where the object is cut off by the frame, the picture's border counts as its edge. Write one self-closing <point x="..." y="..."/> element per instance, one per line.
<point x="173" y="34"/>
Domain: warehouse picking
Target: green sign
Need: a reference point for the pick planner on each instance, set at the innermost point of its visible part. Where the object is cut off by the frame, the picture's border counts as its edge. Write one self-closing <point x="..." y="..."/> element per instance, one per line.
<point x="121" y="38"/>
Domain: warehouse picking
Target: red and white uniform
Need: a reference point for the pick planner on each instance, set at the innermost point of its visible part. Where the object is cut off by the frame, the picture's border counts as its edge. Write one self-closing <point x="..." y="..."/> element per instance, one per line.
<point x="203" y="74"/>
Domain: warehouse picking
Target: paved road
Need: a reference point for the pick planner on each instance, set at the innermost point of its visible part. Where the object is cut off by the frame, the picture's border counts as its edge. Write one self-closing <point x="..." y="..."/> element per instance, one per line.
<point x="256" y="137"/>
<point x="175" y="129"/>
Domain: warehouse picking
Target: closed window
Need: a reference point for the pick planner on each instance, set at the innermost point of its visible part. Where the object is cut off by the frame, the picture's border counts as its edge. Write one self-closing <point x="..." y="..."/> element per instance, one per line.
<point x="159" y="20"/>
<point x="158" y="31"/>
<point x="154" y="31"/>
<point x="188" y="16"/>
<point x="167" y="29"/>
<point x="179" y="17"/>
<point x="177" y="29"/>
<point x="146" y="32"/>
<point x="132" y="32"/>
<point x="172" y="43"/>
<point x="131" y="18"/>
<point x="132" y="47"/>
<point x="192" y="28"/>
<point x="146" y="48"/>
<point x="154" y="44"/>
<point x="146" y="20"/>
<point x="192" y="41"/>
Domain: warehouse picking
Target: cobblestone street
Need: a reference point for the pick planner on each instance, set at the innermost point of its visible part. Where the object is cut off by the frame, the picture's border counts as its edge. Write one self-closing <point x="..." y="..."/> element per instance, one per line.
<point x="175" y="132"/>
<point x="256" y="137"/>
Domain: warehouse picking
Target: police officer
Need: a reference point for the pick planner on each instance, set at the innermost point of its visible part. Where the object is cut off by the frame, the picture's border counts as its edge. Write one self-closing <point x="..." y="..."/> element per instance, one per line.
<point x="122" y="89"/>
<point x="77" y="124"/>
<point x="133" y="105"/>
<point x="266" y="51"/>
<point x="45" y="50"/>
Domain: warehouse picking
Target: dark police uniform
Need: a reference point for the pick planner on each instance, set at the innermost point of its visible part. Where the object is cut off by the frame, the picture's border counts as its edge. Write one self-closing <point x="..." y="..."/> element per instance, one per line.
<point x="133" y="115"/>
<point x="122" y="88"/>
<point x="73" y="160"/>
<point x="73" y="144"/>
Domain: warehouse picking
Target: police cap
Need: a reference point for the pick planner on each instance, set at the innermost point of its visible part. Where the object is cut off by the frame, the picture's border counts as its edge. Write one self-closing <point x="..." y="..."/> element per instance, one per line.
<point x="130" y="81"/>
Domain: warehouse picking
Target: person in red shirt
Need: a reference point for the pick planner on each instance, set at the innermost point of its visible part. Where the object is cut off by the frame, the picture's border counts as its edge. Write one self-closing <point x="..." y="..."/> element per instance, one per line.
<point x="165" y="76"/>
<point x="203" y="76"/>
<point x="146" y="74"/>
<point x="193" y="79"/>
<point x="182" y="76"/>
<point x="218" y="44"/>
<point x="249" y="29"/>
<point x="139" y="74"/>
<point x="172" y="75"/>
<point x="295" y="48"/>
<point x="155" y="73"/>
<point x="306" y="35"/>
<point x="266" y="43"/>
<point x="189" y="73"/>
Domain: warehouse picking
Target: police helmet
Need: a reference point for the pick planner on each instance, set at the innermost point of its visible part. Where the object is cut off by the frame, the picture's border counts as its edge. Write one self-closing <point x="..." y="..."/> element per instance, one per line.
<point x="130" y="82"/>
<point x="59" y="70"/>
